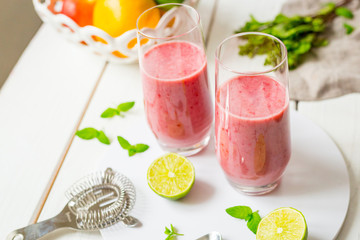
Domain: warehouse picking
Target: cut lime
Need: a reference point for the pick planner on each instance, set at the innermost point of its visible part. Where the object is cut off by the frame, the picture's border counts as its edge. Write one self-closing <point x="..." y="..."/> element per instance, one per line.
<point x="283" y="223"/>
<point x="171" y="176"/>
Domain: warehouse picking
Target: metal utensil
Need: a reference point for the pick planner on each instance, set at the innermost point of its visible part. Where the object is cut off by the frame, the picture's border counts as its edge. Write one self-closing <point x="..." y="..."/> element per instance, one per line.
<point x="96" y="201"/>
<point x="211" y="236"/>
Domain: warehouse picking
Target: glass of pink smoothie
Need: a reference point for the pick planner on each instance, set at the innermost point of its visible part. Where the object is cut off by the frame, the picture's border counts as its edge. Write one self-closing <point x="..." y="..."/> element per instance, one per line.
<point x="173" y="67"/>
<point x="252" y="129"/>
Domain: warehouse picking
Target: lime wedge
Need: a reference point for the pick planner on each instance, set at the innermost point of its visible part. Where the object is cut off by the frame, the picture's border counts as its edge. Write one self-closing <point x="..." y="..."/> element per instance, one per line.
<point x="282" y="223"/>
<point x="171" y="176"/>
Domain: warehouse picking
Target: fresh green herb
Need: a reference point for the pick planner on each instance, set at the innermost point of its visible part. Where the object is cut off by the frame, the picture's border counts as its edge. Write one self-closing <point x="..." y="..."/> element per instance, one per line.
<point x="132" y="149"/>
<point x="123" y="107"/>
<point x="349" y="29"/>
<point x="91" y="133"/>
<point x="168" y="1"/>
<point x="300" y="34"/>
<point x="344" y="12"/>
<point x="171" y="233"/>
<point x="103" y="138"/>
<point x="245" y="213"/>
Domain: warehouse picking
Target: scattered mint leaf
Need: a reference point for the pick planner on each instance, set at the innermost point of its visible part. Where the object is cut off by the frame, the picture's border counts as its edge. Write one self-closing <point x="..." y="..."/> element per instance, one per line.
<point x="349" y="29"/>
<point x="90" y="133"/>
<point x="171" y="234"/>
<point x="103" y="138"/>
<point x="141" y="147"/>
<point x="124" y="107"/>
<point x="87" y="133"/>
<point x="132" y="149"/>
<point x="254" y="222"/>
<point x="245" y="213"/>
<point x="344" y="12"/>
<point x="241" y="212"/>
<point x="123" y="142"/>
<point x="110" y="112"/>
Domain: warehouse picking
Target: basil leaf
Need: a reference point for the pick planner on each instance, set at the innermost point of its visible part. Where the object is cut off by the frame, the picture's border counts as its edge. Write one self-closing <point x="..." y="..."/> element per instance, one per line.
<point x="87" y="133"/>
<point x="103" y="138"/>
<point x="124" y="107"/>
<point x="123" y="142"/>
<point x="110" y="112"/>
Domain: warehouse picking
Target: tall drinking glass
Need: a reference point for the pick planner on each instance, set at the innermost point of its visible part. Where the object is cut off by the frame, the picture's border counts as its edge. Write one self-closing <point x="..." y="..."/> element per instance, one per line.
<point x="252" y="111"/>
<point x="173" y="67"/>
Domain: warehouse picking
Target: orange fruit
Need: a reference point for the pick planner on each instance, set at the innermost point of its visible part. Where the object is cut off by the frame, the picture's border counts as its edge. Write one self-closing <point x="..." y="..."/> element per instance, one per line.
<point x="118" y="16"/>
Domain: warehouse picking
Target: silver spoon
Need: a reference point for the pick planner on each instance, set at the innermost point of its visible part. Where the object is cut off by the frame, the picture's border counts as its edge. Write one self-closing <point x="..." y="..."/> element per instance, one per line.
<point x="211" y="236"/>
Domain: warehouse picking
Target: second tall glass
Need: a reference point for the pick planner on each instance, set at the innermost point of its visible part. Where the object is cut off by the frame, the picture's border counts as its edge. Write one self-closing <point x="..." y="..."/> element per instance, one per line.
<point x="175" y="82"/>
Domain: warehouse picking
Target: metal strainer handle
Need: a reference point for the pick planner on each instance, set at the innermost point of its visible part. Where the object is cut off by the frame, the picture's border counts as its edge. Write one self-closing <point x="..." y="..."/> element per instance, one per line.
<point x="63" y="220"/>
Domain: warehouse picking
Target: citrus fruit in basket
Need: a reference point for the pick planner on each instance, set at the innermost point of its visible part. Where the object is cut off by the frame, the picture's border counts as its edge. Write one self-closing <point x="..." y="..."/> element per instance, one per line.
<point x="81" y="11"/>
<point x="282" y="223"/>
<point x="171" y="176"/>
<point x="118" y="16"/>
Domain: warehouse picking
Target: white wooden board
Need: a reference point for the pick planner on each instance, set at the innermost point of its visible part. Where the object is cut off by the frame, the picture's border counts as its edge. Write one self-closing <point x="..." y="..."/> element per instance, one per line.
<point x="40" y="104"/>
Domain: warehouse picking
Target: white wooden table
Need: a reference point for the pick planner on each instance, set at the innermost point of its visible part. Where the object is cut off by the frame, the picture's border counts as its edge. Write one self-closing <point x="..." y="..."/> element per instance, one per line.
<point x="57" y="88"/>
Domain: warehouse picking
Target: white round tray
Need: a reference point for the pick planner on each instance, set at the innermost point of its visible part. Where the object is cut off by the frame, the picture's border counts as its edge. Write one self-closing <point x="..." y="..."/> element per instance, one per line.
<point x="316" y="182"/>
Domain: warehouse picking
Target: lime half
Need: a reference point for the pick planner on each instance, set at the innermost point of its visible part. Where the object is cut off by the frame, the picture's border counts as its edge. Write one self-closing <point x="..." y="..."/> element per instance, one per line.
<point x="283" y="223"/>
<point x="171" y="176"/>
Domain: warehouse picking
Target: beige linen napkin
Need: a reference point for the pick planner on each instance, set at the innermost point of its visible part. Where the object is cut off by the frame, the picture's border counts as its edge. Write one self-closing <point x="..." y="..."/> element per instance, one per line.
<point x="333" y="70"/>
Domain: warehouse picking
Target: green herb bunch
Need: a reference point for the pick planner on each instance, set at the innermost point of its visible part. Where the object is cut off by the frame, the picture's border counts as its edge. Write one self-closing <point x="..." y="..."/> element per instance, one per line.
<point x="300" y="34"/>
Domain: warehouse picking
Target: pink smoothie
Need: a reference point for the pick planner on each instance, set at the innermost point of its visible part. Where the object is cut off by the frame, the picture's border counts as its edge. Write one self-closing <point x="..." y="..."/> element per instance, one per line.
<point x="176" y="93"/>
<point x="252" y="130"/>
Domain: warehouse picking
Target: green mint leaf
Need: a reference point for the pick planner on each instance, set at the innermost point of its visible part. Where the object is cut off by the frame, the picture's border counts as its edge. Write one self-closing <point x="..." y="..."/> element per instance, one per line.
<point x="87" y="133"/>
<point x="241" y="212"/>
<point x="132" y="152"/>
<point x="344" y="12"/>
<point x="139" y="148"/>
<point x="124" y="107"/>
<point x="167" y="231"/>
<point x="349" y="29"/>
<point x="254" y="222"/>
<point x="103" y="138"/>
<point x="171" y="233"/>
<point x="123" y="142"/>
<point x="110" y="112"/>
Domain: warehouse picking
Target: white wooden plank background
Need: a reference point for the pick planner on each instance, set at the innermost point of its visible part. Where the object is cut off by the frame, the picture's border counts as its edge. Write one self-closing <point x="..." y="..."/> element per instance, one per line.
<point x="39" y="106"/>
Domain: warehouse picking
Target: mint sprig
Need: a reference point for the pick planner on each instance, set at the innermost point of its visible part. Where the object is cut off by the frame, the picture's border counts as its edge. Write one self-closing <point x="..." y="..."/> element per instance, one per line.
<point x="171" y="233"/>
<point x="132" y="149"/>
<point x="122" y="107"/>
<point x="245" y="213"/>
<point x="91" y="133"/>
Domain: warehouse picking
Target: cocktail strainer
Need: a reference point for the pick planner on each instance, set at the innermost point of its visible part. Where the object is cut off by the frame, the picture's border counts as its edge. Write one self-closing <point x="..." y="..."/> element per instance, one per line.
<point x="96" y="201"/>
